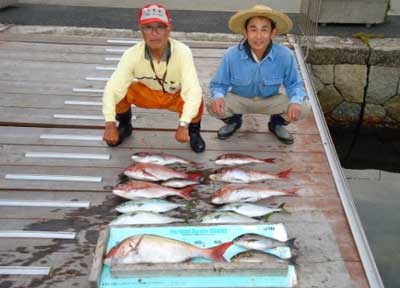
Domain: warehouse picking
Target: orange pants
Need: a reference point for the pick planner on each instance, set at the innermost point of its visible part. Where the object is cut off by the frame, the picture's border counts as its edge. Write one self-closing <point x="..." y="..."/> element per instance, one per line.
<point x="144" y="97"/>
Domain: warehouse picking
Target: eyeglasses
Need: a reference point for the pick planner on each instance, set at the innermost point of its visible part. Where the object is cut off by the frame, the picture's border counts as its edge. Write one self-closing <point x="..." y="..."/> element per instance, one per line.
<point x="157" y="29"/>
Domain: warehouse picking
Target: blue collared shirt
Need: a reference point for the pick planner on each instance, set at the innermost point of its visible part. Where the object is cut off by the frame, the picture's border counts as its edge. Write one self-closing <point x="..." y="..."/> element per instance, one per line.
<point x="242" y="76"/>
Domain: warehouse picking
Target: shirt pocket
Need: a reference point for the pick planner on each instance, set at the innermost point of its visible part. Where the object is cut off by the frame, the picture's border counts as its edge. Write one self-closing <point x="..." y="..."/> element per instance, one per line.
<point x="270" y="86"/>
<point x="241" y="80"/>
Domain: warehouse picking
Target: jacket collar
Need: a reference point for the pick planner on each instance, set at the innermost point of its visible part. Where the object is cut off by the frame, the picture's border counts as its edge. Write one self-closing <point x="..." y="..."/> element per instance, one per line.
<point x="246" y="52"/>
<point x="166" y="53"/>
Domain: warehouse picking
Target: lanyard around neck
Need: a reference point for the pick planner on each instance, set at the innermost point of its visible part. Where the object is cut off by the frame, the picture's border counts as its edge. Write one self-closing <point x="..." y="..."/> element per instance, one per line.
<point x="160" y="81"/>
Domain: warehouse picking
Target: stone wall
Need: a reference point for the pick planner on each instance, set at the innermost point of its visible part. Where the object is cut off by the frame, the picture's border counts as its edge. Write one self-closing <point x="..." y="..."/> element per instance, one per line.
<point x="354" y="79"/>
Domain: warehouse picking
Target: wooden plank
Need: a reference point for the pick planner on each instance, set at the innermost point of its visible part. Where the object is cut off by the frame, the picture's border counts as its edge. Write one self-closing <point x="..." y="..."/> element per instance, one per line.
<point x="110" y="178"/>
<point x="97" y="263"/>
<point x="318" y="208"/>
<point x="198" y="269"/>
<point x="14" y="155"/>
<point x="302" y="210"/>
<point x="312" y="248"/>
<point x="16" y="49"/>
<point x="144" y="140"/>
<point x="145" y="119"/>
<point x="95" y="199"/>
<point x="79" y="40"/>
<point x="310" y="274"/>
<point x="68" y="269"/>
<point x="42" y="101"/>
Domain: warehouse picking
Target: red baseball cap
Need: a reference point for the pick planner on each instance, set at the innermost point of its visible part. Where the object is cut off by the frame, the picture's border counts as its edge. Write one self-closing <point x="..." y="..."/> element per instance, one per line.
<point x="154" y="13"/>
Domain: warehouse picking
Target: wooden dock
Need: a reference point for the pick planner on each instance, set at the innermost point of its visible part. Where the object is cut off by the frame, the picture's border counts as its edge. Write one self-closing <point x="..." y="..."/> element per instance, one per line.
<point x="37" y="77"/>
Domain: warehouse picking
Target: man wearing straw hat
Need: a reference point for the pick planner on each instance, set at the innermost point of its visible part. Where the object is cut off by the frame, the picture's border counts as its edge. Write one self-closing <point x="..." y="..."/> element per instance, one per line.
<point x="251" y="74"/>
<point x="157" y="73"/>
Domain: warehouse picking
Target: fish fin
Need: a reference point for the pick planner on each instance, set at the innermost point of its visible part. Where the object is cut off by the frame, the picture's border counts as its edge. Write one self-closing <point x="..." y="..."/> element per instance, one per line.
<point x="196" y="164"/>
<point x="291" y="243"/>
<point x="216" y="253"/>
<point x="283" y="209"/>
<point x="285" y="174"/>
<point x="269" y="160"/>
<point x="292" y="260"/>
<point x="186" y="192"/>
<point x="122" y="178"/>
<point x="194" y="175"/>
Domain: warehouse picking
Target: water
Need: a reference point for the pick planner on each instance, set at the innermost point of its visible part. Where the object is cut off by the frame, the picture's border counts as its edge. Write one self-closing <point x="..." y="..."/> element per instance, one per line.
<point x="377" y="198"/>
<point x="375" y="193"/>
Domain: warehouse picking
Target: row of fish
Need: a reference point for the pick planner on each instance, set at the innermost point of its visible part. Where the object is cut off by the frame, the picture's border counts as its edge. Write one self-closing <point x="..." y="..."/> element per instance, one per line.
<point x="151" y="181"/>
<point x="147" y="196"/>
<point x="230" y="159"/>
<point x="148" y="248"/>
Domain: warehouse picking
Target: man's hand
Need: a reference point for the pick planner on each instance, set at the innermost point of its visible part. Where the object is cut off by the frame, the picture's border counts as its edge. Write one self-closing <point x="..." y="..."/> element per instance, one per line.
<point x="294" y="111"/>
<point x="111" y="133"/>
<point x="182" y="134"/>
<point x="218" y="106"/>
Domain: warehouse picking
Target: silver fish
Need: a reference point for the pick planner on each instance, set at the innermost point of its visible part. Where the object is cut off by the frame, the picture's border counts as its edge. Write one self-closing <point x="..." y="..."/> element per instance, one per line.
<point x="260" y="242"/>
<point x="252" y="210"/>
<point x="256" y="256"/>
<point x="150" y="205"/>
<point x="232" y="159"/>
<point x="246" y="175"/>
<point x="161" y="159"/>
<point x="179" y="183"/>
<point x="247" y="193"/>
<point x="226" y="217"/>
<point x="139" y="189"/>
<point x="147" y="248"/>
<point x="143" y="217"/>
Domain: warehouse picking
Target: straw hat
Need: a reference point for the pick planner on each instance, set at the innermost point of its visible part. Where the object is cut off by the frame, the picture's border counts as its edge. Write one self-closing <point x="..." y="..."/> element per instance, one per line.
<point x="282" y="21"/>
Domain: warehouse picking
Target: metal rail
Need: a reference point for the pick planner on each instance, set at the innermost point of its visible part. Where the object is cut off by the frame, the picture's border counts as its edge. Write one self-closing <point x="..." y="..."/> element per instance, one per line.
<point x="53" y="177"/>
<point x="84" y="103"/>
<point x="70" y="137"/>
<point x="84" y="156"/>
<point x="78" y="117"/>
<point x="87" y="90"/>
<point x="97" y="78"/>
<point x="24" y="270"/>
<point x="350" y="209"/>
<point x="44" y="203"/>
<point x="36" y="234"/>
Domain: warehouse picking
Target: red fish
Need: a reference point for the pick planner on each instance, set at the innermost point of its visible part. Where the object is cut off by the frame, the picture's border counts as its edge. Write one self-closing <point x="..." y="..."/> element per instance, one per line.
<point x="154" y="172"/>
<point x="147" y="248"/>
<point x="139" y="189"/>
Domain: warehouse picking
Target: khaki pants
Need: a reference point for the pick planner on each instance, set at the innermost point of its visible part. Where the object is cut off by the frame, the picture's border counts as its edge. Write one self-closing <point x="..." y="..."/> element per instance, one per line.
<point x="276" y="104"/>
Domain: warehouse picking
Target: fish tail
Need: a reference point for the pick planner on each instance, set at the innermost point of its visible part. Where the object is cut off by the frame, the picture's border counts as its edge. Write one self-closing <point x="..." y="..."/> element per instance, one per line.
<point x="194" y="175"/>
<point x="292" y="190"/>
<point x="269" y="160"/>
<point x="110" y="255"/>
<point x="283" y="209"/>
<point x="186" y="192"/>
<point x="285" y="174"/>
<point x="216" y="253"/>
<point x="291" y="243"/>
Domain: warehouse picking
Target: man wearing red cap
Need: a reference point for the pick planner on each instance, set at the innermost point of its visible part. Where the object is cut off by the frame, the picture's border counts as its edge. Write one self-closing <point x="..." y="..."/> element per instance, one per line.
<point x="157" y="73"/>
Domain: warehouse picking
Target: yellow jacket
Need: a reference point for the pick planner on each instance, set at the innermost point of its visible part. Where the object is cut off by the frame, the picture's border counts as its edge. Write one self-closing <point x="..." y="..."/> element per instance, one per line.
<point x="135" y="66"/>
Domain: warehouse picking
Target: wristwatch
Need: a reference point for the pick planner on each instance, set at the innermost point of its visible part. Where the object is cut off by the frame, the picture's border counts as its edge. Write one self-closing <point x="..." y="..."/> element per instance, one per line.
<point x="183" y="124"/>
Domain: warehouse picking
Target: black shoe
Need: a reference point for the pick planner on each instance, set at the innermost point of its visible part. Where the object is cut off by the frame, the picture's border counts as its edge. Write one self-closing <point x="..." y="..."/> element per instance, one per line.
<point x="232" y="124"/>
<point x="124" y="126"/>
<point x="196" y="142"/>
<point x="276" y="126"/>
